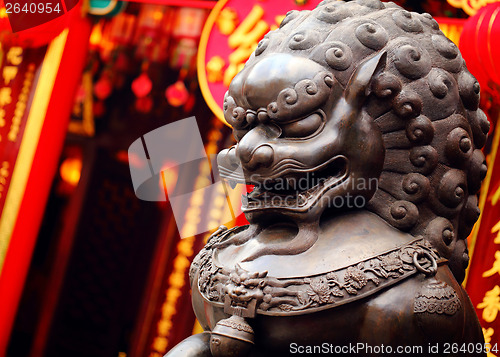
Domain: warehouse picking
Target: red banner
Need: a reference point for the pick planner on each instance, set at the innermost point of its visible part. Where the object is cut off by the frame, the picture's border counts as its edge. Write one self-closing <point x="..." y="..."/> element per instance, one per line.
<point x="18" y="69"/>
<point x="483" y="280"/>
<point x="19" y="74"/>
<point x="39" y="140"/>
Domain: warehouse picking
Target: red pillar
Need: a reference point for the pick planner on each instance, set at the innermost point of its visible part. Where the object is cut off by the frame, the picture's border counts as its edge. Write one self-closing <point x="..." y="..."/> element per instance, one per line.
<point x="43" y="170"/>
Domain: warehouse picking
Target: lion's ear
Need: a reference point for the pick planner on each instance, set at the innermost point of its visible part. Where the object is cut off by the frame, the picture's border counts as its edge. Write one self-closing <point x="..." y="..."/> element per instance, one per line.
<point x="358" y="87"/>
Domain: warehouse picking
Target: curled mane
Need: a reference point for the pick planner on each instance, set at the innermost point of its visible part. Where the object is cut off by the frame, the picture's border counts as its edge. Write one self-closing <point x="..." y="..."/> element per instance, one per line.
<point x="425" y="103"/>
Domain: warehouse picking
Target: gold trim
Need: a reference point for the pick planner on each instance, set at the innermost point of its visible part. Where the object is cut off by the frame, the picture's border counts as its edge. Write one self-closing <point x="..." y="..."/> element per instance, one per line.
<point x="202" y="50"/>
<point x="86" y="126"/>
<point x="29" y="141"/>
<point x="482" y="198"/>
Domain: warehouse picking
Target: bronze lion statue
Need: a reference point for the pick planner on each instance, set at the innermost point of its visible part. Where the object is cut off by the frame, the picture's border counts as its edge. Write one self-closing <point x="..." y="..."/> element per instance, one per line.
<point x="358" y="125"/>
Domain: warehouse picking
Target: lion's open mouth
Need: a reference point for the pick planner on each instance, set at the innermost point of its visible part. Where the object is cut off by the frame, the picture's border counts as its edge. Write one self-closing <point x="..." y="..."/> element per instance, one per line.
<point x="296" y="191"/>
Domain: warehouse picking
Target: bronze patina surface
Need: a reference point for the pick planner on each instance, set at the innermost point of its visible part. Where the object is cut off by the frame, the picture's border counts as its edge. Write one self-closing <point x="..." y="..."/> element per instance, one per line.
<point x="358" y="125"/>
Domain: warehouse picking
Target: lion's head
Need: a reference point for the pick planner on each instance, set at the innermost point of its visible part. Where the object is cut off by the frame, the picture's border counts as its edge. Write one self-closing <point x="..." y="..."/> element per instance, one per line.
<point x="354" y="93"/>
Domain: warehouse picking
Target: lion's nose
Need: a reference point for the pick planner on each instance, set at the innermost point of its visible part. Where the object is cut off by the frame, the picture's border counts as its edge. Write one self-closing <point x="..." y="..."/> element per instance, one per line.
<point x="227" y="158"/>
<point x="254" y="150"/>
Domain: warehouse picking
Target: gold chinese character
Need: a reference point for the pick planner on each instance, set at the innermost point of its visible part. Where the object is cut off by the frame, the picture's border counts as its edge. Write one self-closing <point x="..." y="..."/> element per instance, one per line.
<point x="244" y="41"/>
<point x="490" y="304"/>
<point x="164" y="327"/>
<point x="227" y="21"/>
<point x="2" y="117"/>
<point x="214" y="69"/>
<point x="5" y="96"/>
<point x="168" y="310"/>
<point x="496" y="229"/>
<point x="488" y="333"/>
<point x="15" y="56"/>
<point x="4" y="171"/>
<point x="250" y="30"/>
<point x="9" y="73"/>
<point x="160" y="344"/>
<point x="496" y="266"/>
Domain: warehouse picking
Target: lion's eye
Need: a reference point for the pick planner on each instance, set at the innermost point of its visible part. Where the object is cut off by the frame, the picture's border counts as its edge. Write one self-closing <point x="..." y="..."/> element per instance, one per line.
<point x="303" y="127"/>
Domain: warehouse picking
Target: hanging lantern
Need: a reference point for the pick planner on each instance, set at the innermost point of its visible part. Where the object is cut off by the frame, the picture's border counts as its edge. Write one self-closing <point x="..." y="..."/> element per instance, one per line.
<point x="479" y="47"/>
<point x="142" y="85"/>
<point x="70" y="171"/>
<point x="177" y="94"/>
<point x="103" y="87"/>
